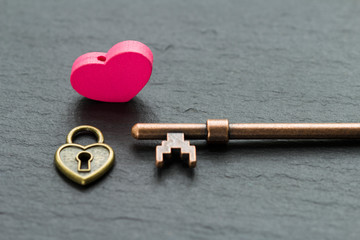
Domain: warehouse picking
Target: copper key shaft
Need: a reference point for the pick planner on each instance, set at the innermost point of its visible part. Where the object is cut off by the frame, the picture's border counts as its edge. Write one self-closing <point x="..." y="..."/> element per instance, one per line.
<point x="248" y="130"/>
<point x="219" y="130"/>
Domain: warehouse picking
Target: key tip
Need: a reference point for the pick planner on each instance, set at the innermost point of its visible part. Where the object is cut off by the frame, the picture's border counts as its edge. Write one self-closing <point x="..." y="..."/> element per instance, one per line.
<point x="135" y="131"/>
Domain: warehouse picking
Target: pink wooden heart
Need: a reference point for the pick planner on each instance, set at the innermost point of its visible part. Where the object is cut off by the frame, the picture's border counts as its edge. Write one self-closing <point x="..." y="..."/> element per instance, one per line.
<point x="115" y="76"/>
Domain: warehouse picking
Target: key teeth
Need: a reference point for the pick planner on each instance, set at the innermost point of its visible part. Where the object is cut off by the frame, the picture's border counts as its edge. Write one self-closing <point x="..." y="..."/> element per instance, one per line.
<point x="160" y="151"/>
<point x="175" y="141"/>
<point x="192" y="157"/>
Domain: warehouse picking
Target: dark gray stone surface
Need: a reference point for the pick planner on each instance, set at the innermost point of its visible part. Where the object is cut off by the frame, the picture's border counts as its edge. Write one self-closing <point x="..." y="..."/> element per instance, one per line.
<point x="249" y="61"/>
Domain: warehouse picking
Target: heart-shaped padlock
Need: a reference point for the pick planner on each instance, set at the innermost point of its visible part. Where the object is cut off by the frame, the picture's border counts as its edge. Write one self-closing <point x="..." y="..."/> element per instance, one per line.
<point x="84" y="164"/>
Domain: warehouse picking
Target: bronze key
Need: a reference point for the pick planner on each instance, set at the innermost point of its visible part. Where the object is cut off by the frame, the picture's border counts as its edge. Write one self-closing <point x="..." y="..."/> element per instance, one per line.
<point x="220" y="131"/>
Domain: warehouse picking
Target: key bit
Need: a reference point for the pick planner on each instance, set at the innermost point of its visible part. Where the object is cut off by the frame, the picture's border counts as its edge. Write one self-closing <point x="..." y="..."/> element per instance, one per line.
<point x="220" y="131"/>
<point x="175" y="141"/>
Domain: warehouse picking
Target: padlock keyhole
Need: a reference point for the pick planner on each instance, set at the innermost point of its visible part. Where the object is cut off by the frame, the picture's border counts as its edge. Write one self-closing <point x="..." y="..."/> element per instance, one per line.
<point x="84" y="161"/>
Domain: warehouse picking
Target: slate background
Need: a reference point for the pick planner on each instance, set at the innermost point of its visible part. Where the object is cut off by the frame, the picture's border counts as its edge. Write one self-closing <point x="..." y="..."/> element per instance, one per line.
<point x="248" y="61"/>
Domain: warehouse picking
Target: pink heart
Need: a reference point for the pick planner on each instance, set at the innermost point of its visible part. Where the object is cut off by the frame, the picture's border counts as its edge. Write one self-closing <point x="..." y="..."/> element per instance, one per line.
<point x="115" y="76"/>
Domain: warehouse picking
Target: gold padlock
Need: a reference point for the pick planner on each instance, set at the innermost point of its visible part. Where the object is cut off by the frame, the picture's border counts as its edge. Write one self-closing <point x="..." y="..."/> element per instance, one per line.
<point x="84" y="164"/>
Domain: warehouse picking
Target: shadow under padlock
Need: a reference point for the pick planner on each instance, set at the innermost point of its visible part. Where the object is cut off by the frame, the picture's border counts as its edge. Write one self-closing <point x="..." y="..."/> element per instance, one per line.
<point x="84" y="164"/>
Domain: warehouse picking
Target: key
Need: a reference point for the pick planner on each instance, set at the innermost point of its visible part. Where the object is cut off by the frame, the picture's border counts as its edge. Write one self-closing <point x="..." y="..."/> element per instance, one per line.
<point x="221" y="131"/>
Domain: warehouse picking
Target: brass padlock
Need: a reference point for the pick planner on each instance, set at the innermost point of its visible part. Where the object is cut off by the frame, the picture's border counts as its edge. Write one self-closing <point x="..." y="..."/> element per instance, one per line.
<point x="84" y="164"/>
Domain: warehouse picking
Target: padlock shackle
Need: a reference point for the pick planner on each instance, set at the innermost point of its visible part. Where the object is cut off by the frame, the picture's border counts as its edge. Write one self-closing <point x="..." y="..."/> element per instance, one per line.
<point x="85" y="128"/>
